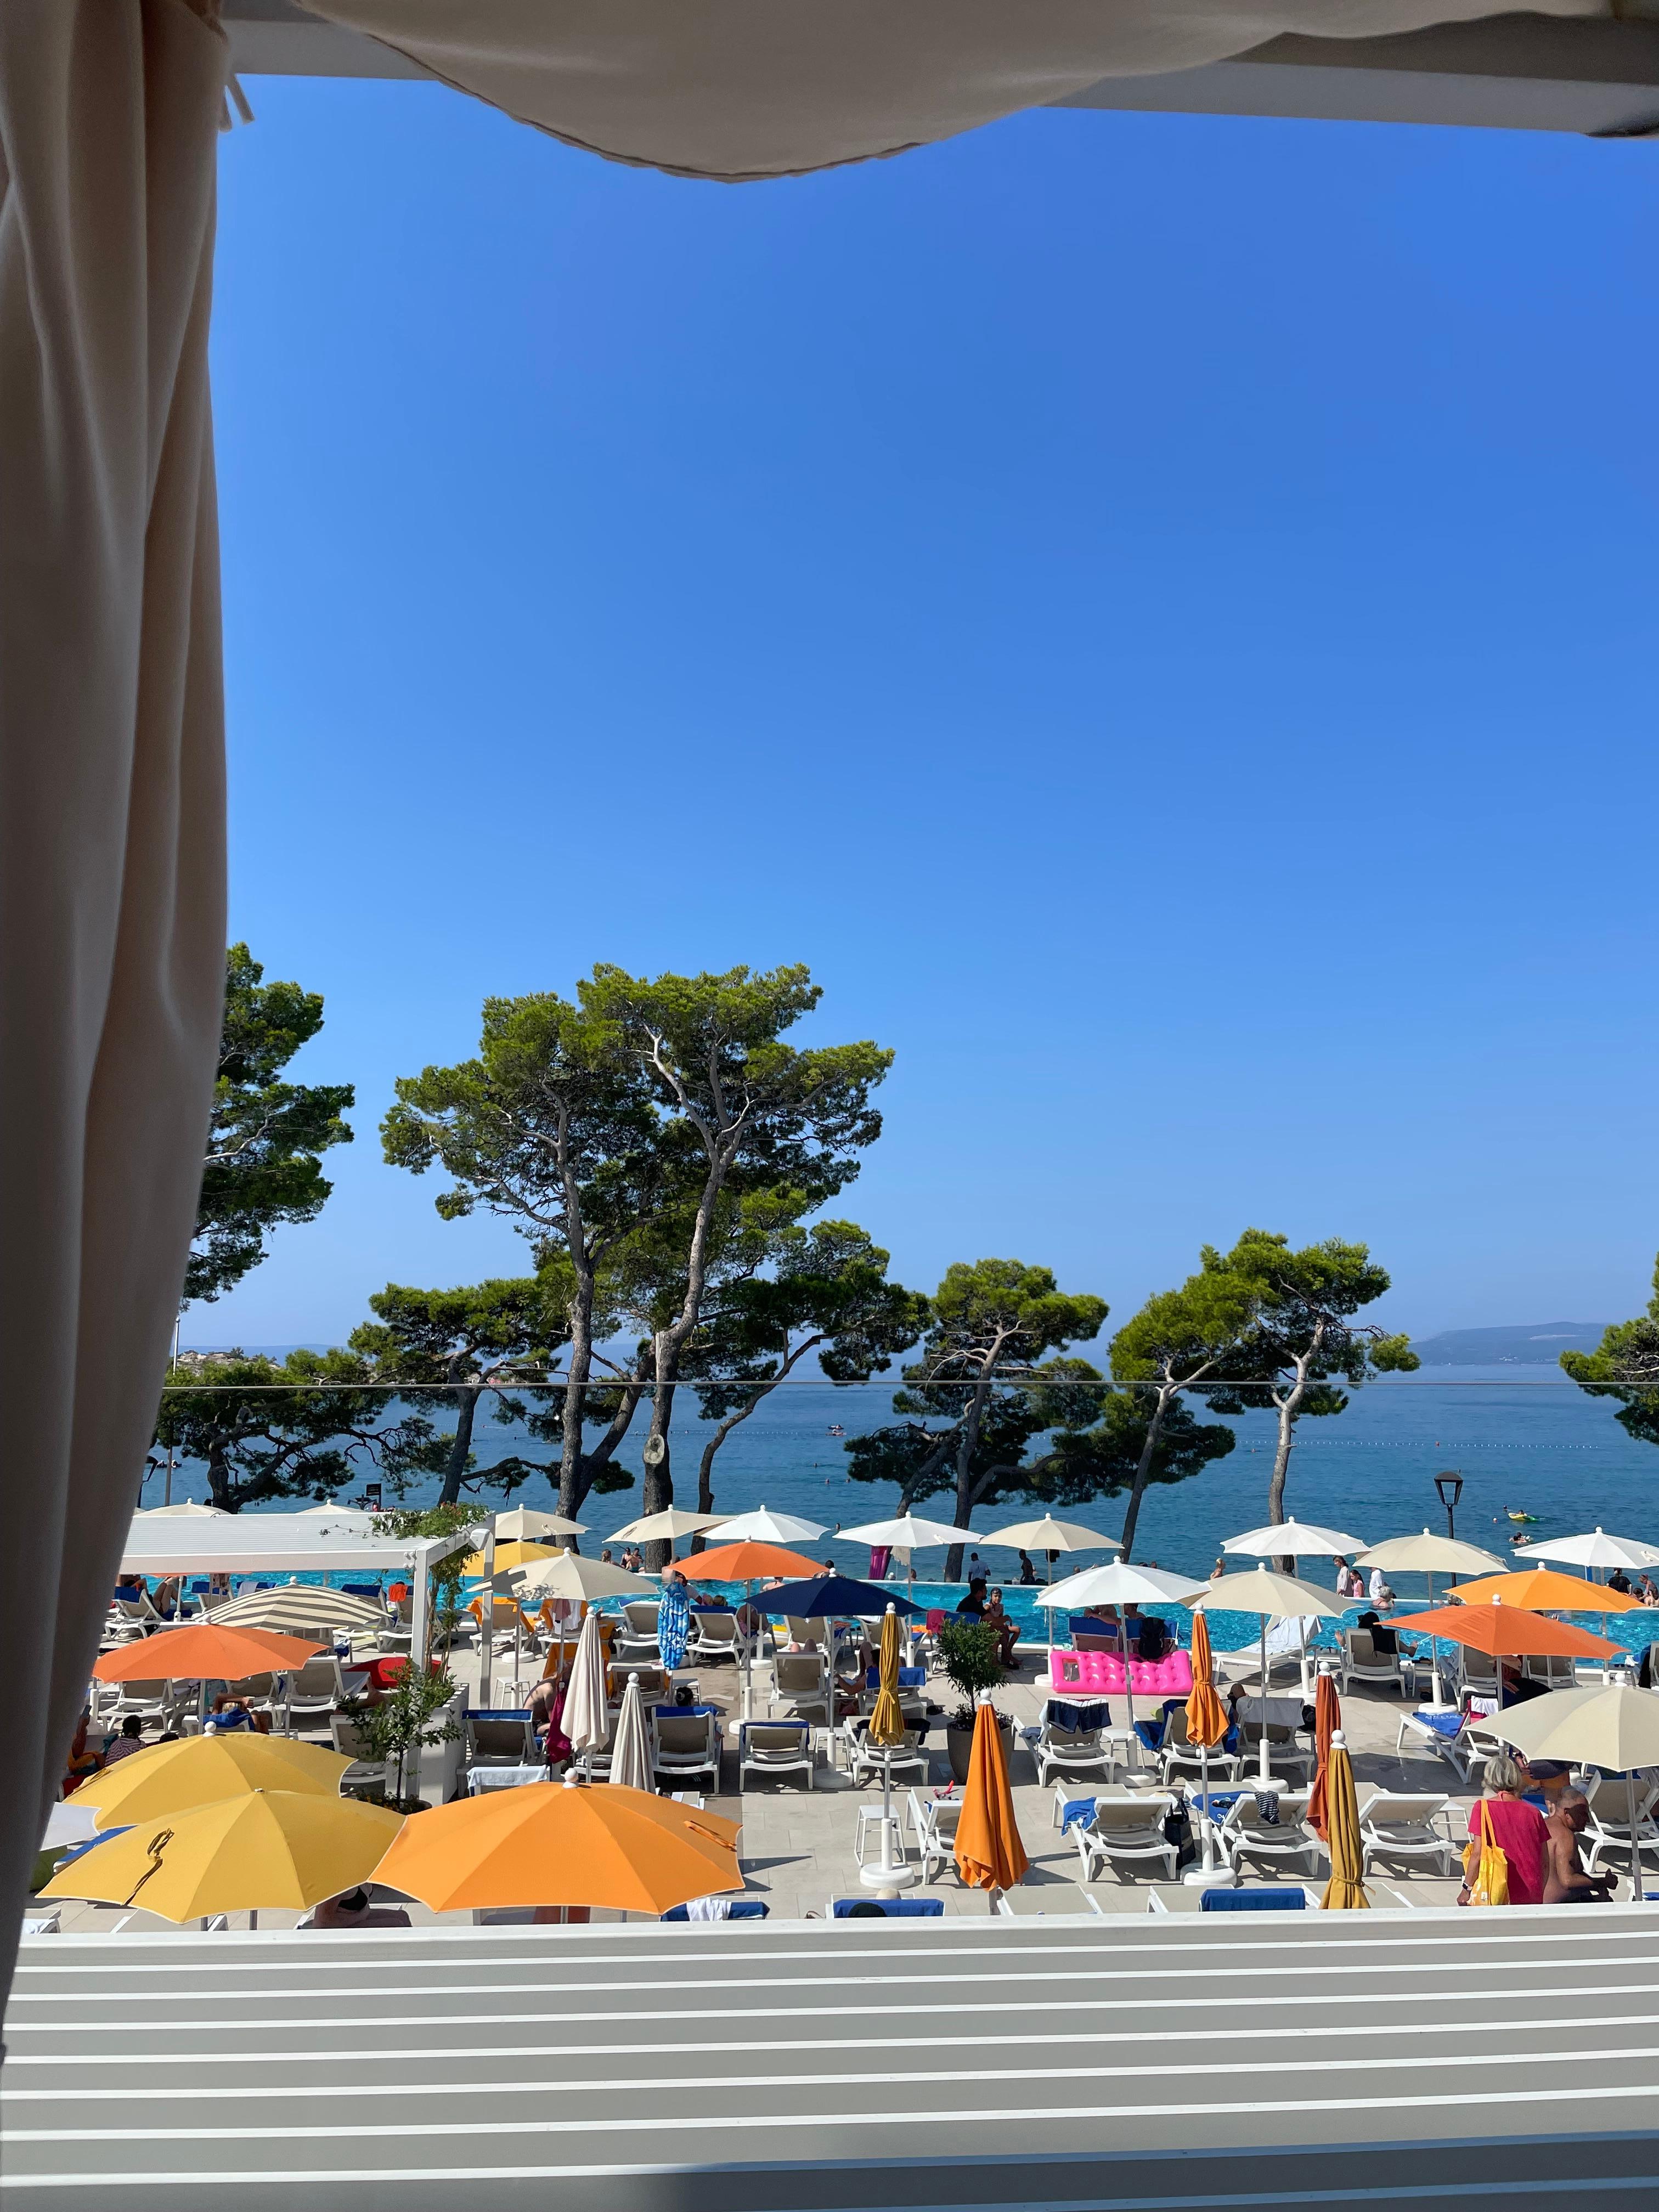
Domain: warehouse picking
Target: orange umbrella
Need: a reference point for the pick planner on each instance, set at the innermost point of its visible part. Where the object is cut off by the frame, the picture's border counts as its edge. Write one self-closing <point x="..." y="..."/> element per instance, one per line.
<point x="569" y="1845"/>
<point x="988" y="1852"/>
<point x="1541" y="1590"/>
<point x="1505" y="1631"/>
<point x="200" y="1652"/>
<point x="747" y="1562"/>
<point x="1327" y="1718"/>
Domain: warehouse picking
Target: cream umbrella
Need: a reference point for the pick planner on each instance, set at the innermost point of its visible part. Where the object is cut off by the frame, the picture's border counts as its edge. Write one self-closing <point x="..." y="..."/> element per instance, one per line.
<point x="1119" y="1583"/>
<point x="1597" y="1549"/>
<point x="527" y="1524"/>
<point x="1275" y="1597"/>
<point x="630" y="1754"/>
<point x="1610" y="1726"/>
<point x="663" y="1528"/>
<point x="587" y="1717"/>
<point x="1050" y="1536"/>
<point x="188" y="1511"/>
<point x="908" y="1533"/>
<point x="1292" y="1539"/>
<point x="762" y="1526"/>
<point x="1431" y="1555"/>
<point x="569" y="1575"/>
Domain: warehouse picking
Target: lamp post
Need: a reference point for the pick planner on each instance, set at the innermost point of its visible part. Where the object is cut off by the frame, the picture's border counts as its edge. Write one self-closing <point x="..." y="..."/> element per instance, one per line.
<point x="1450" y="1486"/>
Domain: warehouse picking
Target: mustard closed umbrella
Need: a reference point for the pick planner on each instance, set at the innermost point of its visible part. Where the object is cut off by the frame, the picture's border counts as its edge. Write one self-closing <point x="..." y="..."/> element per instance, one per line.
<point x="201" y="1770"/>
<point x="1206" y="1727"/>
<point x="1346" y="1890"/>
<point x="886" y="1733"/>
<point x="271" y="1848"/>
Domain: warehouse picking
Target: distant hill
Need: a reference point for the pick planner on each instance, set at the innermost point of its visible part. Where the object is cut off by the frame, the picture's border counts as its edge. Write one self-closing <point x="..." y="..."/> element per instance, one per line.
<point x="1537" y="1344"/>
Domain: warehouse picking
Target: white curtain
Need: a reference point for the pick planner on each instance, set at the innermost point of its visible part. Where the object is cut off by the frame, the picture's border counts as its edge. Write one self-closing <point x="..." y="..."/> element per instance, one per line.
<point x="738" y="89"/>
<point x="112" y="838"/>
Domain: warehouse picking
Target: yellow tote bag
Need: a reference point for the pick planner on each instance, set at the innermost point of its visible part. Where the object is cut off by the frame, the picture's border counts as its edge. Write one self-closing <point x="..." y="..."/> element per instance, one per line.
<point x="1491" y="1885"/>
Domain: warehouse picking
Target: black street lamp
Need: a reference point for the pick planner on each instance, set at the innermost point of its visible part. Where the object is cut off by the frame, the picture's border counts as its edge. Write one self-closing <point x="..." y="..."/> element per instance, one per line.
<point x="1450" y="1486"/>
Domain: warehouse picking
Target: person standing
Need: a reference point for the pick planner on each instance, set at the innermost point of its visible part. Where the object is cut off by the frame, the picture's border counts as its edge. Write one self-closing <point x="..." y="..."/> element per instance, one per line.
<point x="673" y="1619"/>
<point x="1519" y="1830"/>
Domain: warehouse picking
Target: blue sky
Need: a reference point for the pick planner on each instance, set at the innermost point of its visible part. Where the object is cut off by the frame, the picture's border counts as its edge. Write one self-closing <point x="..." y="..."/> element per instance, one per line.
<point x="1157" y="611"/>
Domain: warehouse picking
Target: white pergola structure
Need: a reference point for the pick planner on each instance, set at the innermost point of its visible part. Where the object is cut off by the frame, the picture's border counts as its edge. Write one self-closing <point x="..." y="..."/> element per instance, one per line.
<point x="296" y="1544"/>
<point x="111" y="697"/>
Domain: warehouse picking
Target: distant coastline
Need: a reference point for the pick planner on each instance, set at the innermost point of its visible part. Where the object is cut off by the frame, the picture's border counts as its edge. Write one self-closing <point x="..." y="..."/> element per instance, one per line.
<point x="1530" y="1344"/>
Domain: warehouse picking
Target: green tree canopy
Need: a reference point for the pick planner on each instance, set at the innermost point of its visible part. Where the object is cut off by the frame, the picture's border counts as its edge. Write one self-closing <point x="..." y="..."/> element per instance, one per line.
<point x="263" y="1164"/>
<point x="482" y="1338"/>
<point x="826" y="1293"/>
<point x="297" y="1429"/>
<point x="552" y="1125"/>
<point x="742" y="1113"/>
<point x="1625" y="1366"/>
<point x="1302" y="1338"/>
<point x="1200" y="1332"/>
<point x="983" y="1375"/>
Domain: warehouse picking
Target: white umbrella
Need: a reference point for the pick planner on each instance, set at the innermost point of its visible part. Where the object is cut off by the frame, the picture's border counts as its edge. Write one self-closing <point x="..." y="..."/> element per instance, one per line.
<point x="586" y="1720"/>
<point x="1598" y="1549"/>
<point x="526" y="1524"/>
<point x="630" y="1755"/>
<point x="665" y="1527"/>
<point x="188" y="1510"/>
<point x="1611" y="1726"/>
<point x="569" y="1575"/>
<point x="762" y="1526"/>
<point x="1120" y="1583"/>
<point x="1272" y="1596"/>
<point x="1431" y="1555"/>
<point x="908" y="1533"/>
<point x="69" y="1823"/>
<point x="1050" y="1536"/>
<point x="1292" y="1539"/>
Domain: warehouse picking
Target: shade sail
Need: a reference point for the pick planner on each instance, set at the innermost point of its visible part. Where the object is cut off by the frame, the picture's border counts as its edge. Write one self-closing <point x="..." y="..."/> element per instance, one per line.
<point x="755" y="88"/>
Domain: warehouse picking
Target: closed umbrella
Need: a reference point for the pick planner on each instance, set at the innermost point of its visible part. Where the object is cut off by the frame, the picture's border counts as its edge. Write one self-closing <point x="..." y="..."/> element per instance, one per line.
<point x="1346" y="1890"/>
<point x="762" y="1526"/>
<point x="988" y="1851"/>
<point x="586" y="1719"/>
<point x="1610" y="1725"/>
<point x="1206" y="1727"/>
<point x="621" y="1849"/>
<point x="275" y="1848"/>
<point x="630" y="1755"/>
<point x="1272" y="1596"/>
<point x="1327" y="1715"/>
<point x="665" y="1527"/>
<point x="202" y="1770"/>
<point x="886" y="1733"/>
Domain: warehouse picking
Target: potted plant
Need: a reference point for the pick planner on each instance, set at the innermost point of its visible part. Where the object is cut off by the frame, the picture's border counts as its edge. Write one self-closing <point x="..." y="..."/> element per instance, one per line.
<point x="412" y="1712"/>
<point x="972" y="1665"/>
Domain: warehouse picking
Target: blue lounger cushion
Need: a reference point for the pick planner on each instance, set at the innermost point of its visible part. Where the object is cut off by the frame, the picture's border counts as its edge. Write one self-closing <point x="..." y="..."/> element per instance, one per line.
<point x="743" y="1908"/>
<point x="1254" y="1901"/>
<point x="891" y="1908"/>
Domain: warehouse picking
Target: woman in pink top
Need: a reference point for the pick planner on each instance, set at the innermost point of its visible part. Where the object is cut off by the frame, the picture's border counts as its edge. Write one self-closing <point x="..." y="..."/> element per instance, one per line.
<point x="1521" y="1831"/>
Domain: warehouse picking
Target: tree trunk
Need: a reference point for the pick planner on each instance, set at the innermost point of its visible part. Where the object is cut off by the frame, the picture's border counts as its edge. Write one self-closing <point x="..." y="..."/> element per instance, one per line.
<point x="1143" y="1469"/>
<point x="572" y="1489"/>
<point x="657" y="1495"/>
<point x="966" y="1443"/>
<point x="218" y="1488"/>
<point x="1288" y="1405"/>
<point x="466" y="1414"/>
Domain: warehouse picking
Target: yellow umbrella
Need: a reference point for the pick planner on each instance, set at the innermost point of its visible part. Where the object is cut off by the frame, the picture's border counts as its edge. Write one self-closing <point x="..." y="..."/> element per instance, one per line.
<point x="271" y="1847"/>
<point x="508" y="1557"/>
<point x="988" y="1851"/>
<point x="199" y="1770"/>
<point x="1206" y="1725"/>
<point x="1346" y="1890"/>
<point x="569" y="1845"/>
<point x="886" y="1733"/>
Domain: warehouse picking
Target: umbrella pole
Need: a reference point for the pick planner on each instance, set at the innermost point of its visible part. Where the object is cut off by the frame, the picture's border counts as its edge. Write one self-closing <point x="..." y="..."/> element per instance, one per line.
<point x="1264" y="1769"/>
<point x="1635" y="1845"/>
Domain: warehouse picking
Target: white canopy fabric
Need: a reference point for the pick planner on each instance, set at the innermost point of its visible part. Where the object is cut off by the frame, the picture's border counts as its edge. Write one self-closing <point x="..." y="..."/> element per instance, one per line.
<point x="744" y="89"/>
<point x="587" y="1716"/>
<point x="910" y="1533"/>
<point x="1048" y="1536"/>
<point x="284" y="1543"/>
<point x="663" y="1528"/>
<point x="570" y="1576"/>
<point x="762" y="1526"/>
<point x="300" y="1605"/>
<point x="1292" y="1539"/>
<point x="191" y="1511"/>
<point x="1597" y="1549"/>
<point x="1120" y="1582"/>
<point x="528" y="1524"/>
<point x="630" y="1754"/>
<point x="1429" y="1554"/>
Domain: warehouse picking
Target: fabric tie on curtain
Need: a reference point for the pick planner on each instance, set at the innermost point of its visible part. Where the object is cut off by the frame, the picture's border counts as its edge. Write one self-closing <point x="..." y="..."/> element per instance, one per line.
<point x="741" y="89"/>
<point x="112" y="807"/>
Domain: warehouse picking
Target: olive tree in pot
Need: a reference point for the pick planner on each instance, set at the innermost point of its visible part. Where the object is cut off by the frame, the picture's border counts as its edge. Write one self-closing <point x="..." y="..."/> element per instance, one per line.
<point x="972" y="1665"/>
<point x="411" y="1713"/>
